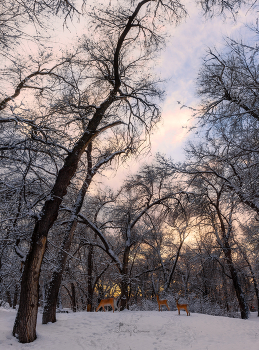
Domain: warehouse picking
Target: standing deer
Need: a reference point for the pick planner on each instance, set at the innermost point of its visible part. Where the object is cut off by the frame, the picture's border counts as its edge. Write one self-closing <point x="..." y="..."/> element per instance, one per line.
<point x="107" y="302"/>
<point x="161" y="302"/>
<point x="182" y="307"/>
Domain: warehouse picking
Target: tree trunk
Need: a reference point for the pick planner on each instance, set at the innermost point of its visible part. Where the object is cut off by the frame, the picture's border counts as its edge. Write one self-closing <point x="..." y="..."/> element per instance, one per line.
<point x="125" y="280"/>
<point x="239" y="293"/>
<point x="26" y="318"/>
<point x="254" y="280"/>
<point x="25" y="323"/>
<point x="9" y="299"/>
<point x="124" y="293"/>
<point x="15" y="298"/>
<point x="90" y="279"/>
<point x="225" y="292"/>
<point x="167" y="283"/>
<point x="100" y="292"/>
<point x="59" y="301"/>
<point x="49" y="311"/>
<point x="233" y="272"/>
<point x="73" y="297"/>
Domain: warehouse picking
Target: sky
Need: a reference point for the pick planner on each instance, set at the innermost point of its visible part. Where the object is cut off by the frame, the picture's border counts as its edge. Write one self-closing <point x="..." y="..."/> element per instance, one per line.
<point x="179" y="64"/>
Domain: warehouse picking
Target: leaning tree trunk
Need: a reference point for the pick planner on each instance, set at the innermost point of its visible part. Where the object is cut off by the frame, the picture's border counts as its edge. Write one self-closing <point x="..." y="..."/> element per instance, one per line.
<point x="26" y="318"/>
<point x="49" y="312"/>
<point x="25" y="322"/>
<point x="168" y="282"/>
<point x="228" y="255"/>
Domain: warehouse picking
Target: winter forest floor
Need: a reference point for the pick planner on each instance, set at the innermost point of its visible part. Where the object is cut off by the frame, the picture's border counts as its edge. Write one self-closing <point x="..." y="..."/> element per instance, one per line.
<point x="136" y="330"/>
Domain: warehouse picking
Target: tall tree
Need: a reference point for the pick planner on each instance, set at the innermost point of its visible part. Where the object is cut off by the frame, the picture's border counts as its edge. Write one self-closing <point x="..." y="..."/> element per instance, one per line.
<point x="121" y="94"/>
<point x="219" y="206"/>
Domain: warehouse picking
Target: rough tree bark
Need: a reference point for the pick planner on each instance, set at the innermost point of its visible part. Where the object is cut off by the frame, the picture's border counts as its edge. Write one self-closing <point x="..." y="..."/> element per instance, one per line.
<point x="25" y="322"/>
<point x="234" y="275"/>
<point x="49" y="312"/>
<point x="224" y="242"/>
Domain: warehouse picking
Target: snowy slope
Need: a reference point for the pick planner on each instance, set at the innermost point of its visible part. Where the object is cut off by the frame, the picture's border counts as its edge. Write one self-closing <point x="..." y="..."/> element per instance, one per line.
<point x="136" y="330"/>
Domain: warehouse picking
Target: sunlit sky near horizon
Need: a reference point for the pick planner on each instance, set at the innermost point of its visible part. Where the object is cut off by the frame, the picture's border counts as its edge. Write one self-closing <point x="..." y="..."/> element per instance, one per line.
<point x="178" y="64"/>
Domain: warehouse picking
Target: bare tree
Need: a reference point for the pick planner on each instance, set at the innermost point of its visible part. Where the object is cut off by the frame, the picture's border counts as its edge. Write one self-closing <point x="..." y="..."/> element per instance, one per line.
<point x="138" y="200"/>
<point x="120" y="96"/>
<point x="219" y="207"/>
<point x="15" y="16"/>
<point x="228" y="84"/>
<point x="231" y="154"/>
<point x="49" y="312"/>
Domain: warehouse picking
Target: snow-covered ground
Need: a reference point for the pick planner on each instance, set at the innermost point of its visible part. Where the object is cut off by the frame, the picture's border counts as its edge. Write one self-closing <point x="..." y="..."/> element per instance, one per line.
<point x="136" y="330"/>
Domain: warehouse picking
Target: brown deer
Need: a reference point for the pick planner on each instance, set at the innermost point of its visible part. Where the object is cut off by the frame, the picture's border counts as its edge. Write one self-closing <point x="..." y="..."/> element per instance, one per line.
<point x="182" y="307"/>
<point x="107" y="302"/>
<point x="161" y="302"/>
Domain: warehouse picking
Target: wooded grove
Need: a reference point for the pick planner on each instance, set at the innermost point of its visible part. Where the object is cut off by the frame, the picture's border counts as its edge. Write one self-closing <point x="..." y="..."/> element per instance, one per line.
<point x="187" y="229"/>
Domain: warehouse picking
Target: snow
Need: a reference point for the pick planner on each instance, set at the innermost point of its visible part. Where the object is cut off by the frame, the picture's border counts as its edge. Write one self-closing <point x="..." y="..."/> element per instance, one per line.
<point x="136" y="330"/>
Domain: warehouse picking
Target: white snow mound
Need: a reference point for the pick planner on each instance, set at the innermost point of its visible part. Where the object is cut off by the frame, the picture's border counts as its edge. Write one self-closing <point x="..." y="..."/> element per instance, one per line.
<point x="136" y="330"/>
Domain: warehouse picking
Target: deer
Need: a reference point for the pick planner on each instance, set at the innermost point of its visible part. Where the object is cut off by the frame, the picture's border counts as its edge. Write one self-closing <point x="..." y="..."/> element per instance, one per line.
<point x="161" y="302"/>
<point x="107" y="302"/>
<point x="182" y="307"/>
